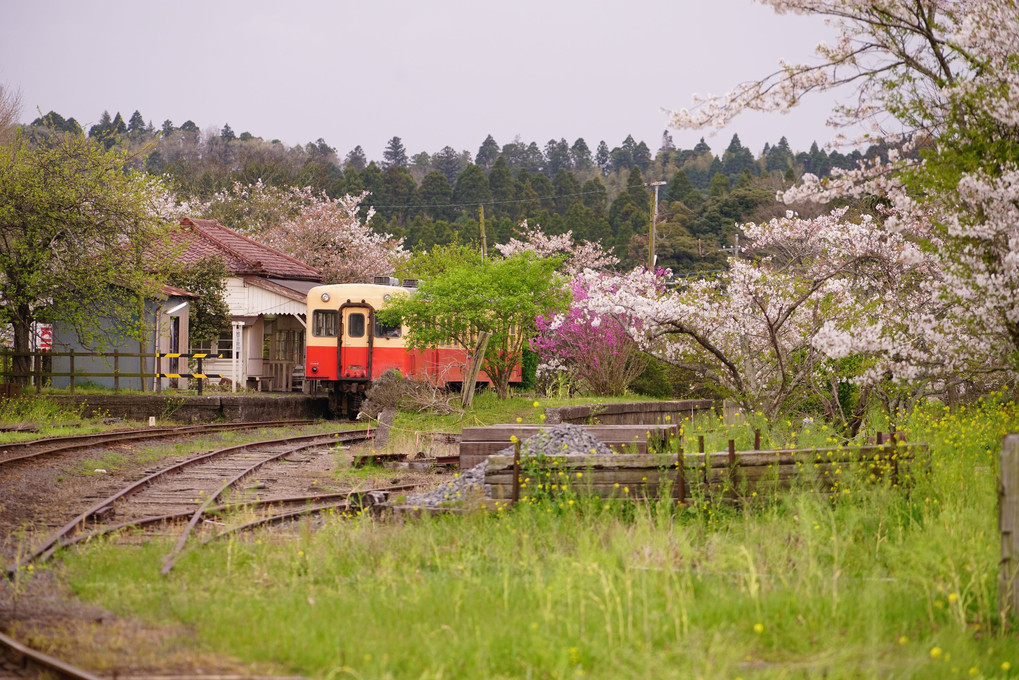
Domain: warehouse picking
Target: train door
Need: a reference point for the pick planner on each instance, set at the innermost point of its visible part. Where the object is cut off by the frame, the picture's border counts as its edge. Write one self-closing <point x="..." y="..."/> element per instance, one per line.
<point x="355" y="345"/>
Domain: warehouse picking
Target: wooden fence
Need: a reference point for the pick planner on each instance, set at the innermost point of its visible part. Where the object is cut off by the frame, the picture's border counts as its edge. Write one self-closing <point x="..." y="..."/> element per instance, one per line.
<point x="728" y="475"/>
<point x="41" y="371"/>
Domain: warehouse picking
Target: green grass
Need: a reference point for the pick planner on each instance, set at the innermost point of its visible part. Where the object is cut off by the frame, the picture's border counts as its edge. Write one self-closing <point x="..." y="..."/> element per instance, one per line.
<point x="488" y="409"/>
<point x="882" y="584"/>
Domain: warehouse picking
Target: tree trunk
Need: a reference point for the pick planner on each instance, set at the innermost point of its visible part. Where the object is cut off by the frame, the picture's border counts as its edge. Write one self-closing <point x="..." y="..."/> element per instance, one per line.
<point x="21" y="363"/>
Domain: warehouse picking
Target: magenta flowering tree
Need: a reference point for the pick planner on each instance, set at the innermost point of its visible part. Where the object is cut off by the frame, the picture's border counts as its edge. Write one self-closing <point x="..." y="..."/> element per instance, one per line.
<point x="595" y="349"/>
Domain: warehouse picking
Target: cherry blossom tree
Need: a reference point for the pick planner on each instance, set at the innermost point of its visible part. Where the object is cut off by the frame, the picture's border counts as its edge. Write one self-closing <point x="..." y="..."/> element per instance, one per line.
<point x="324" y="232"/>
<point x="770" y="330"/>
<point x="328" y="234"/>
<point x="576" y="256"/>
<point x="938" y="81"/>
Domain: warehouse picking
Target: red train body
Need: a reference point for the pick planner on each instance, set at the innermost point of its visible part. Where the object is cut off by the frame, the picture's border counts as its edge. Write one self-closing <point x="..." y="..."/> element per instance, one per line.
<point x="347" y="347"/>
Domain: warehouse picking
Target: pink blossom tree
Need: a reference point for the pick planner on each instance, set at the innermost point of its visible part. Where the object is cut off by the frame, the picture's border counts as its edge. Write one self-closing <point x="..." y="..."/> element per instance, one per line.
<point x="594" y="349"/>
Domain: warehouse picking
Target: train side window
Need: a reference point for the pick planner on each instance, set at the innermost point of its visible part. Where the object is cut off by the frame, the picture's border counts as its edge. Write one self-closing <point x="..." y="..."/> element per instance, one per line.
<point x="384" y="331"/>
<point x="324" y="323"/>
<point x="355" y="325"/>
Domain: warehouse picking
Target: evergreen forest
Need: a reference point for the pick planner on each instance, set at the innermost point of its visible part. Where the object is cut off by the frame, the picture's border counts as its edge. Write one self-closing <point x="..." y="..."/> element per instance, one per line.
<point x="599" y="194"/>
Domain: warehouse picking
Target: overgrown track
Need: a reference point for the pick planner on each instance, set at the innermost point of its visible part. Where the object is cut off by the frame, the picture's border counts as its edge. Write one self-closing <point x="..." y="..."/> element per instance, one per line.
<point x="33" y="663"/>
<point x="35" y="449"/>
<point x="187" y="490"/>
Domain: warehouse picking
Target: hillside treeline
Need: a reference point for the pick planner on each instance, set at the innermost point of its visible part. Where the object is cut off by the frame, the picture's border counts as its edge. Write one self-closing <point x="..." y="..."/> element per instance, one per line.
<point x="598" y="194"/>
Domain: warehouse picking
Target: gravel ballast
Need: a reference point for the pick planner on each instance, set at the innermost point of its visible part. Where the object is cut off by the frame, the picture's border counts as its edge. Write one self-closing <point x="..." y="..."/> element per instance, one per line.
<point x="554" y="440"/>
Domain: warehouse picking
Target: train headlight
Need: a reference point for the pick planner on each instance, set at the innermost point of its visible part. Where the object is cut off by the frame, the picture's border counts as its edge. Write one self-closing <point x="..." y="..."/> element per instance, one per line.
<point x="387" y="297"/>
<point x="325" y="297"/>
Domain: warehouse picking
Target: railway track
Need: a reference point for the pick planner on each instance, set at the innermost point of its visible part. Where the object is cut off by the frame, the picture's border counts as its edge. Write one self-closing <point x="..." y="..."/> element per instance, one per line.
<point x="189" y="490"/>
<point x="35" y="449"/>
<point x="201" y="499"/>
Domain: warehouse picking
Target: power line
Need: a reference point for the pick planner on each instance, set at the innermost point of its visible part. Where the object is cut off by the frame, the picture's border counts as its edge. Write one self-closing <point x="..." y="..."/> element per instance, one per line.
<point x="493" y="202"/>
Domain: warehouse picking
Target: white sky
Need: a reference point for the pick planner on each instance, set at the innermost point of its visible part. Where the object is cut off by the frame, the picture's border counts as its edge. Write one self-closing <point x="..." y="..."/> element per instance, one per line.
<point x="445" y="72"/>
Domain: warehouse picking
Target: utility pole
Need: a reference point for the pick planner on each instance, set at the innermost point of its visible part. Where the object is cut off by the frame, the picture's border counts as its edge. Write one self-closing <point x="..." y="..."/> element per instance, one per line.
<point x="651" y="230"/>
<point x="734" y="250"/>
<point x="484" y="239"/>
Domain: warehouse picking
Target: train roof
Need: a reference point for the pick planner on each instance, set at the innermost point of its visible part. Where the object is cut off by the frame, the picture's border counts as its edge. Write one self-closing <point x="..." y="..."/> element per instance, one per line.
<point x="361" y="289"/>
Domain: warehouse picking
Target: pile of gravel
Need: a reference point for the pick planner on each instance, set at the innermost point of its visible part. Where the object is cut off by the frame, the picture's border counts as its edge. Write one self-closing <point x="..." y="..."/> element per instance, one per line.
<point x="554" y="440"/>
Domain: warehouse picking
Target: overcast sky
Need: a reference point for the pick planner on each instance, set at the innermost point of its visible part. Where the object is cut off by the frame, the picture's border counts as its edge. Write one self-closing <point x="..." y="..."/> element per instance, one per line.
<point x="446" y="72"/>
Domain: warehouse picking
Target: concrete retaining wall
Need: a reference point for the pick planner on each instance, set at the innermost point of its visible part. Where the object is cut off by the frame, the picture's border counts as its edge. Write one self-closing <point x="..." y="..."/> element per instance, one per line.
<point x="194" y="409"/>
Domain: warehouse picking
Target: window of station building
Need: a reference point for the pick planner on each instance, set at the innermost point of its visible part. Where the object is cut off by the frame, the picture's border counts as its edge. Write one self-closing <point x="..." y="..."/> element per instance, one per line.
<point x="201" y="347"/>
<point x="384" y="331"/>
<point x="355" y="325"/>
<point x="325" y="323"/>
<point x="225" y="343"/>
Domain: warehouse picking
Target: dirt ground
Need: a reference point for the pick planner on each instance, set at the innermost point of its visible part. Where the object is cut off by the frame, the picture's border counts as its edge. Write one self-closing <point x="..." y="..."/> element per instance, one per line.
<point x="41" y="613"/>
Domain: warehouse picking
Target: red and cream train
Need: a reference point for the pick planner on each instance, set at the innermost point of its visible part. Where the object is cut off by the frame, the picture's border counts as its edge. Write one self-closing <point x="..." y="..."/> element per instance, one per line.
<point x="347" y="347"/>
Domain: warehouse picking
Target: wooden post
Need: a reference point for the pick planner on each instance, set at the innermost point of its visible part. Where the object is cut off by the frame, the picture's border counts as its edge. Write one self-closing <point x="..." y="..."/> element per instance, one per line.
<point x="516" y="472"/>
<point x="893" y="439"/>
<point x="72" y="368"/>
<point x="38" y="372"/>
<point x="1008" y="524"/>
<point x="680" y="474"/>
<point x="732" y="468"/>
<point x="202" y="380"/>
<point x="757" y="440"/>
<point x="700" y="448"/>
<point x="116" y="370"/>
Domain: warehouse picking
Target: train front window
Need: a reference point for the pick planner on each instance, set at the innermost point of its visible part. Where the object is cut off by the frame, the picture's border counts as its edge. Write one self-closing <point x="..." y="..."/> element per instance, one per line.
<point x="325" y="323"/>
<point x="384" y="331"/>
<point x="355" y="325"/>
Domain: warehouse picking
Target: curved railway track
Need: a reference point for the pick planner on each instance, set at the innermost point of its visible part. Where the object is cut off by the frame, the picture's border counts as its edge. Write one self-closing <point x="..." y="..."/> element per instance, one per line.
<point x="200" y="499"/>
<point x="34" y="449"/>
<point x="187" y="490"/>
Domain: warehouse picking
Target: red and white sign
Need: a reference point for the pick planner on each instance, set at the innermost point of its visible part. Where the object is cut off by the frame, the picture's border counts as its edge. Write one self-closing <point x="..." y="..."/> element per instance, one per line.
<point x="44" y="337"/>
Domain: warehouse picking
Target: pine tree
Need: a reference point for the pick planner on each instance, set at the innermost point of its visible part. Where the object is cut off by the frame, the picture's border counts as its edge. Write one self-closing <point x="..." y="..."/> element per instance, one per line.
<point x="642" y="156"/>
<point x="503" y="188"/>
<point x="557" y="157"/>
<point x="103" y="128"/>
<point x="436" y="193"/>
<point x="395" y="155"/>
<point x="227" y="134"/>
<point x="581" y="155"/>
<point x="472" y="188"/>
<point x="602" y="157"/>
<point x="136" y="124"/>
<point x="356" y="159"/>
<point x="447" y="161"/>
<point x="487" y="153"/>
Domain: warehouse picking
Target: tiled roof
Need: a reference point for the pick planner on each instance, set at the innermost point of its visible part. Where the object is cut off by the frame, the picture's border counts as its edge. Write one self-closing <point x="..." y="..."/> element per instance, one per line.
<point x="241" y="255"/>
